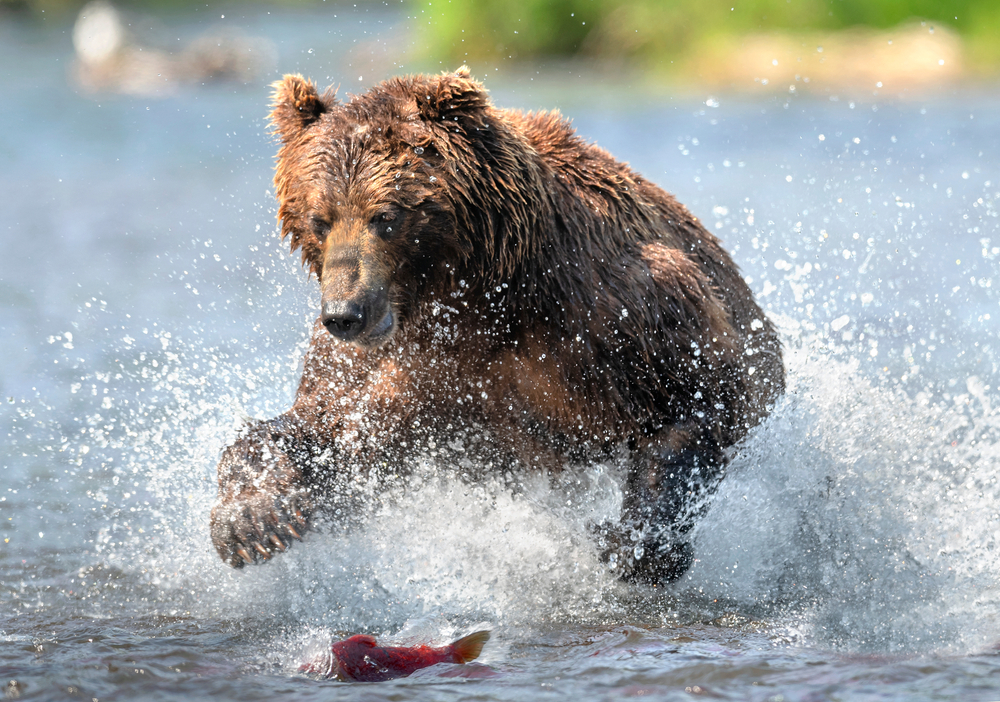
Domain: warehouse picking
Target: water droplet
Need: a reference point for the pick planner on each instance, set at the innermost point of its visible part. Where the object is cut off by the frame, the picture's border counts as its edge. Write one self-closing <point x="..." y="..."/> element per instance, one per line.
<point x="419" y="150"/>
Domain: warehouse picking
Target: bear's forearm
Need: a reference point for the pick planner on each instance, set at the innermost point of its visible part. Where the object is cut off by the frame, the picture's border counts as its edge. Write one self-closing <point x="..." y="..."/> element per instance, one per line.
<point x="255" y="460"/>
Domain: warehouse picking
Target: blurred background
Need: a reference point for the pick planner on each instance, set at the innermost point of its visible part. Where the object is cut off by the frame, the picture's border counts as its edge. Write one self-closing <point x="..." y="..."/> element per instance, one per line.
<point x="745" y="45"/>
<point x="893" y="46"/>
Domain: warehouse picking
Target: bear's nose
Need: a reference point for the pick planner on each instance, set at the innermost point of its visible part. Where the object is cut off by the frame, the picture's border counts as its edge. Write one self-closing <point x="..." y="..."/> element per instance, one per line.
<point x="344" y="319"/>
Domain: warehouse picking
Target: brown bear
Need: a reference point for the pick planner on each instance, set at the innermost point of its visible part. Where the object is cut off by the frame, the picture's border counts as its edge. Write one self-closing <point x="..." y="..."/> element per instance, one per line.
<point x="490" y="279"/>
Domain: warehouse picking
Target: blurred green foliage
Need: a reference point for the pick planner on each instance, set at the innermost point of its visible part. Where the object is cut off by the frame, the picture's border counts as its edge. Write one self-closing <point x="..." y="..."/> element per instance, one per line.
<point x="659" y="31"/>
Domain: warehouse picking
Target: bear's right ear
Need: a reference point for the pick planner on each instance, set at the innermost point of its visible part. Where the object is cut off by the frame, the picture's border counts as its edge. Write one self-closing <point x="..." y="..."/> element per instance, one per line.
<point x="450" y="94"/>
<point x="295" y="105"/>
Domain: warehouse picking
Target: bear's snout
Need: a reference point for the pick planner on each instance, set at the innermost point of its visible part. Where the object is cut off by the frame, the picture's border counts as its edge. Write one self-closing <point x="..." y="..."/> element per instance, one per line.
<point x="345" y="319"/>
<point x="367" y="321"/>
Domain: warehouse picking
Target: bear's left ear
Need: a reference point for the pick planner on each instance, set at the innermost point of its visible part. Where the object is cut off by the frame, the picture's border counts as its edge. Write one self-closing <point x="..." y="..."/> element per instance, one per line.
<point x="451" y="93"/>
<point x="295" y="105"/>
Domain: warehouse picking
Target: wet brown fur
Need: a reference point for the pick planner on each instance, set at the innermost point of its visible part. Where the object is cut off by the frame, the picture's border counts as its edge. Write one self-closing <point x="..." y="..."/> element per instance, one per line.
<point x="539" y="288"/>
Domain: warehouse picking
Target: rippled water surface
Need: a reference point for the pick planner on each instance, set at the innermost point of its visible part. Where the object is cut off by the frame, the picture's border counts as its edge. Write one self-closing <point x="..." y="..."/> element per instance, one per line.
<point x="147" y="309"/>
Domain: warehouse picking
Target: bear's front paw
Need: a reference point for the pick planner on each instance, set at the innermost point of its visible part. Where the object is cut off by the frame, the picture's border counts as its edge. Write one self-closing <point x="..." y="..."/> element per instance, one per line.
<point x="248" y="528"/>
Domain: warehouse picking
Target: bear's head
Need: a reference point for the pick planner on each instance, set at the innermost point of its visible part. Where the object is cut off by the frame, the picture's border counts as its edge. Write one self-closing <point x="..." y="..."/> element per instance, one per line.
<point x="413" y="185"/>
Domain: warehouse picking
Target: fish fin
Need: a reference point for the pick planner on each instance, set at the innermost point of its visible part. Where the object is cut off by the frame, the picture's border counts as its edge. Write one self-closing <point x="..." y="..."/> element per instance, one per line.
<point x="469" y="647"/>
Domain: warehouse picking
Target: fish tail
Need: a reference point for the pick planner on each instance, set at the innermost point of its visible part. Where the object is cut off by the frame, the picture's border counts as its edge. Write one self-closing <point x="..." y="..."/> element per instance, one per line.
<point x="469" y="647"/>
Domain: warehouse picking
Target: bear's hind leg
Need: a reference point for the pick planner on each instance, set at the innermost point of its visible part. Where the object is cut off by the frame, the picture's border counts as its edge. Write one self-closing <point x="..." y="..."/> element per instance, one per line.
<point x="666" y="491"/>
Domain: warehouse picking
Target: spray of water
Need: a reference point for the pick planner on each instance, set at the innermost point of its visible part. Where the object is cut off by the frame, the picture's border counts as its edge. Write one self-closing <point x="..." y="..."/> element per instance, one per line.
<point x="861" y="515"/>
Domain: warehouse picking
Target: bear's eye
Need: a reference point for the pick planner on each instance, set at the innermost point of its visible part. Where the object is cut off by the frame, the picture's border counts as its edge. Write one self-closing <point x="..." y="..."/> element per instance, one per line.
<point x="385" y="221"/>
<point x="320" y="227"/>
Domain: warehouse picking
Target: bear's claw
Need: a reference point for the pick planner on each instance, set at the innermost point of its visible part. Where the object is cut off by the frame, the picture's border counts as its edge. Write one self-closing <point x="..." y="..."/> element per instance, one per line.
<point x="251" y="528"/>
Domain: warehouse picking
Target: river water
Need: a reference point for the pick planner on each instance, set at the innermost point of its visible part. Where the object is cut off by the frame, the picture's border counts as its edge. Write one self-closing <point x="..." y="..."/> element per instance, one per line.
<point x="148" y="308"/>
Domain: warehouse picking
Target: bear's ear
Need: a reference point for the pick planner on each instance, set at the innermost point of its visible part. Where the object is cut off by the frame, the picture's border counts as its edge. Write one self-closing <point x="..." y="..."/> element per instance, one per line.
<point x="451" y="93"/>
<point x="295" y="105"/>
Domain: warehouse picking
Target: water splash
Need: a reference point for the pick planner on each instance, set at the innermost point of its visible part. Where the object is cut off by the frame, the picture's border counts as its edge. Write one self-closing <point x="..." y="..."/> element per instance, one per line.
<point x="862" y="514"/>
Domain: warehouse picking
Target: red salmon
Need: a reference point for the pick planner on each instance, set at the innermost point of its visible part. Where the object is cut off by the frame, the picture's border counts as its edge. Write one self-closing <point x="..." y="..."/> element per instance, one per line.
<point x="359" y="659"/>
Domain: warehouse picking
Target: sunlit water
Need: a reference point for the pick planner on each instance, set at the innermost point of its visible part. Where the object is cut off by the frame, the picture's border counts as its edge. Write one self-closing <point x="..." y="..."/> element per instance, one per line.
<point x="147" y="309"/>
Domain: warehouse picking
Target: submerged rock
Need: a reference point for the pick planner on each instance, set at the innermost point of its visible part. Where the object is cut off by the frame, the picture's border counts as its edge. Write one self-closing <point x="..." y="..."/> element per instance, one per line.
<point x="110" y="57"/>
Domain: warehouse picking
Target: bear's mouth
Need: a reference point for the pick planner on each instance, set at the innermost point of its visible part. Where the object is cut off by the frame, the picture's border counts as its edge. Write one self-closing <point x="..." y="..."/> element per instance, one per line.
<point x="382" y="330"/>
